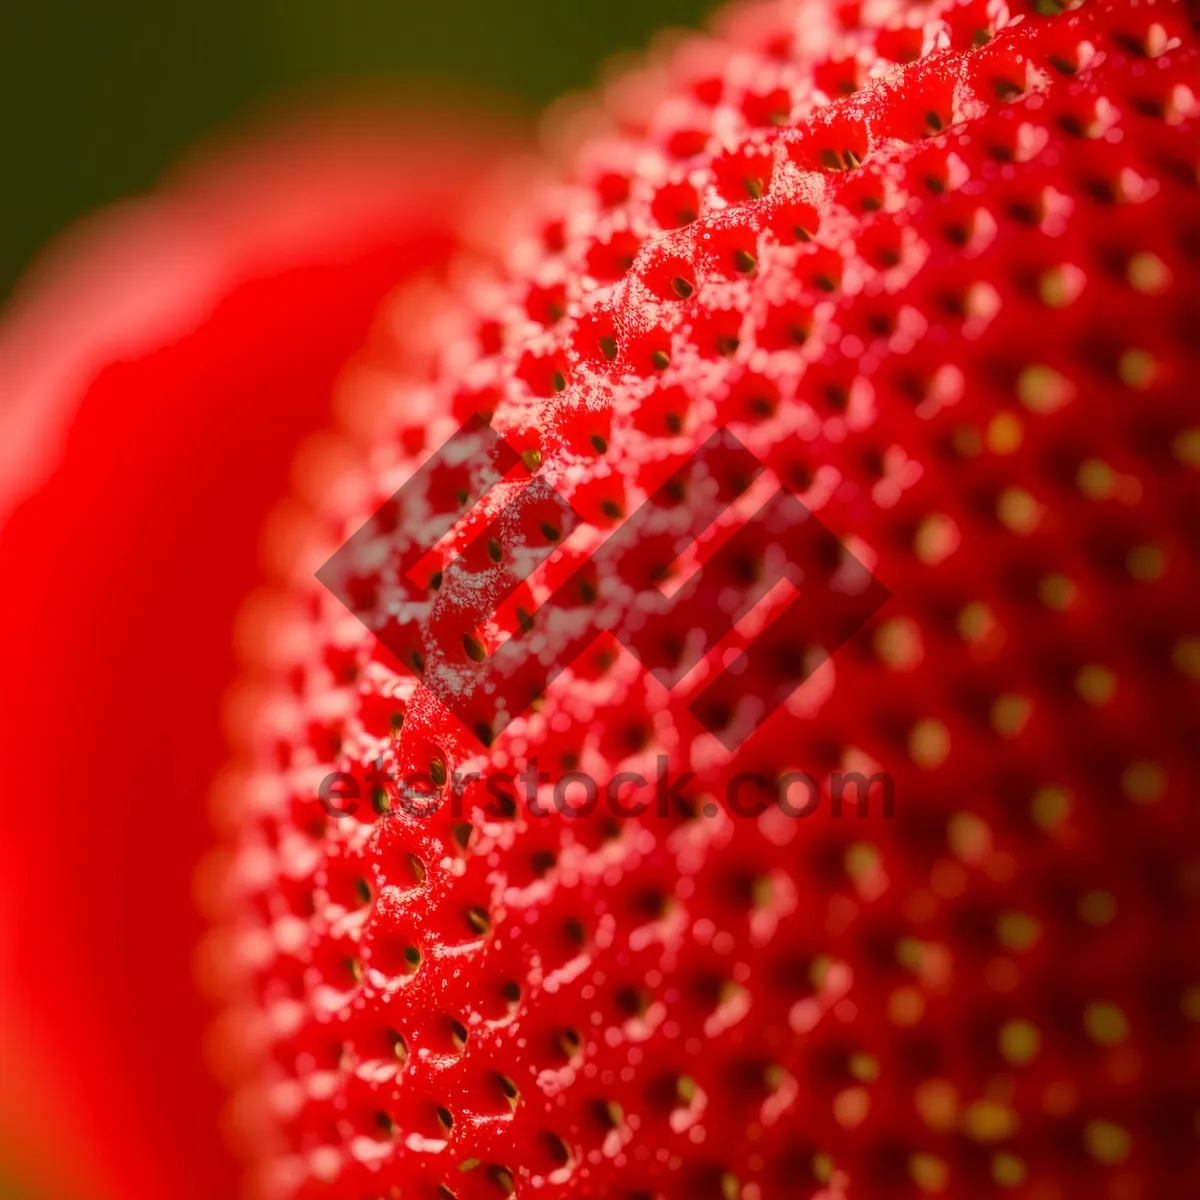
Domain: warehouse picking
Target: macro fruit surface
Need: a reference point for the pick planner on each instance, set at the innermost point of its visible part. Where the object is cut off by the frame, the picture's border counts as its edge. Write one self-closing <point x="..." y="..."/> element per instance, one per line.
<point x="935" y="267"/>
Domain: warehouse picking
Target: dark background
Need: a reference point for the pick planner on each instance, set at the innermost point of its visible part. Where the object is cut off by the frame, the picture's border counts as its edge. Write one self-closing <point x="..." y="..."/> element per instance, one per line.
<point x="97" y="99"/>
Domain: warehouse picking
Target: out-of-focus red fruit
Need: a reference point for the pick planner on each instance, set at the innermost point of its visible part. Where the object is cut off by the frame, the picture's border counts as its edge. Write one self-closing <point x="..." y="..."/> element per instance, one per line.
<point x="157" y="371"/>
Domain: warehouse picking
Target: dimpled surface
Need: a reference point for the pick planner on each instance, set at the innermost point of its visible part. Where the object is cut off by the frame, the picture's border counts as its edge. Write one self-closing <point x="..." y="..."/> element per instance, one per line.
<point x="936" y="266"/>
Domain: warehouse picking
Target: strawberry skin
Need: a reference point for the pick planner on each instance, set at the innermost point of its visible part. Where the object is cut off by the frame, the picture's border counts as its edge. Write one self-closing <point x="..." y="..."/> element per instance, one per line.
<point x="937" y="268"/>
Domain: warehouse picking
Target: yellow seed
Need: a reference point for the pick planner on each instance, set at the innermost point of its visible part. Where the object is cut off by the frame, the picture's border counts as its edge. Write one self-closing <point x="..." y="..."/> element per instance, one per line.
<point x="1098" y="908"/>
<point x="850" y="1107"/>
<point x="1050" y="806"/>
<point x="1008" y="1170"/>
<point x="987" y="1121"/>
<point x="1061" y="285"/>
<point x="1096" y="479"/>
<point x="864" y="1067"/>
<point x="1148" y="273"/>
<point x="937" y="1102"/>
<point x="937" y="538"/>
<point x="976" y="621"/>
<point x="1136" y="368"/>
<point x="909" y="951"/>
<point x="1186" y="657"/>
<point x="929" y="1173"/>
<point x="929" y="743"/>
<point x="1143" y="782"/>
<point x="1020" y="1041"/>
<point x="1146" y="563"/>
<point x="731" y="992"/>
<point x="1057" y="592"/>
<point x="1156" y="41"/>
<point x="1190" y="1004"/>
<point x="1107" y="1142"/>
<point x="1105" y="1023"/>
<point x="1017" y="931"/>
<point x="1018" y="511"/>
<point x="1042" y="389"/>
<point x="898" y="644"/>
<point x="822" y="1167"/>
<point x="1010" y="714"/>
<point x="818" y="972"/>
<point x="1095" y="684"/>
<point x="1005" y="433"/>
<point x="980" y="300"/>
<point x="861" y="860"/>
<point x="969" y="836"/>
<point x="1186" y="448"/>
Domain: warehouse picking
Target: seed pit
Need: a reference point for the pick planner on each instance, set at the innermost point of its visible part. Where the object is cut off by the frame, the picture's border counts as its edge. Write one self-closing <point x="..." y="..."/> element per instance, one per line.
<point x="399" y="1046"/>
<point x="502" y="1179"/>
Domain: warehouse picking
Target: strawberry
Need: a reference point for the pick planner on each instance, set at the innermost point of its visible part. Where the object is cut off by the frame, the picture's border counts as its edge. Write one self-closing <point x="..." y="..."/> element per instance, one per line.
<point x="936" y="267"/>
<point x="159" y="369"/>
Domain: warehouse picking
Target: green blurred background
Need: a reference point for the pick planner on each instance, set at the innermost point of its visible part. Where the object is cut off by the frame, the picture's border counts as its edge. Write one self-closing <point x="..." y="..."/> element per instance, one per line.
<point x="98" y="98"/>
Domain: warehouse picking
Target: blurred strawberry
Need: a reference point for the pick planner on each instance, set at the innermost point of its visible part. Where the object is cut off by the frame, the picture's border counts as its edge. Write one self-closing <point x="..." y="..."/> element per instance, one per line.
<point x="158" y="370"/>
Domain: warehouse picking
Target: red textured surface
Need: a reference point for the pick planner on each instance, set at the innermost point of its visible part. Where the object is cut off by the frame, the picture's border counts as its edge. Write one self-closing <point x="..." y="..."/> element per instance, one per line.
<point x="123" y="574"/>
<point x="941" y="276"/>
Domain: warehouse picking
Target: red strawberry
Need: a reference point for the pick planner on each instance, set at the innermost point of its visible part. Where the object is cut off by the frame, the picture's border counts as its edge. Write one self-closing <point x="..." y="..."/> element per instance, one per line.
<point x="158" y="373"/>
<point x="937" y="267"/>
